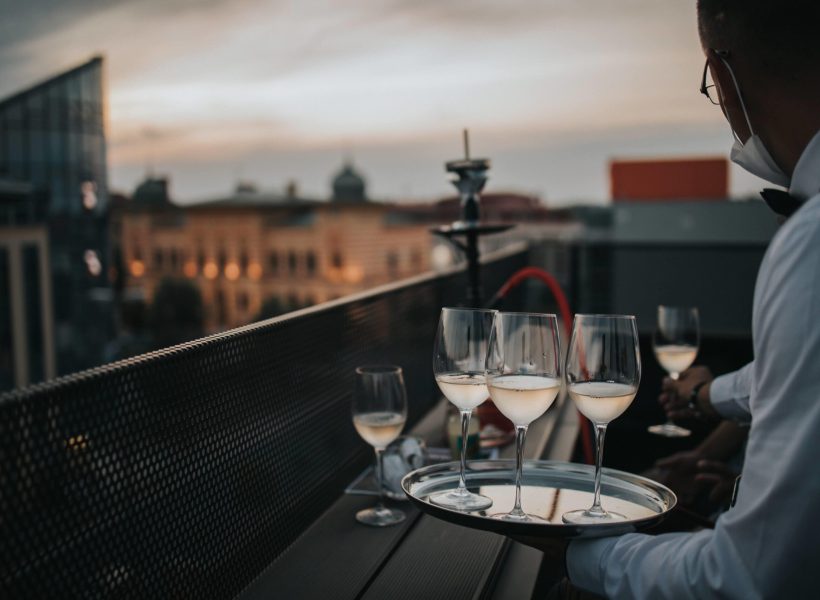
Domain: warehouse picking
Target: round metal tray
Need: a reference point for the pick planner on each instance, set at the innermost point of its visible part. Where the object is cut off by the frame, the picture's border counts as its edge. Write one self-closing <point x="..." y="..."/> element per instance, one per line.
<point x="549" y="489"/>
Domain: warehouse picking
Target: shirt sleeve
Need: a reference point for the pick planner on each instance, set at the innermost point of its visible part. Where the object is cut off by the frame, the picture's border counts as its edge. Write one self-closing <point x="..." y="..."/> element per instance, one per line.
<point x="729" y="394"/>
<point x="767" y="545"/>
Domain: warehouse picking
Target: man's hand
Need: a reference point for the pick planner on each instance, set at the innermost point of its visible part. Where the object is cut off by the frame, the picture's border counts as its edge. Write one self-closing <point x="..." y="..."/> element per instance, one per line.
<point x="678" y="472"/>
<point x="675" y="394"/>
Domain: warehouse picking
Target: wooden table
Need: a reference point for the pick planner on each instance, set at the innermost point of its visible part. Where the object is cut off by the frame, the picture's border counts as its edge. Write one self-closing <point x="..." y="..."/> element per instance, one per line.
<point x="420" y="558"/>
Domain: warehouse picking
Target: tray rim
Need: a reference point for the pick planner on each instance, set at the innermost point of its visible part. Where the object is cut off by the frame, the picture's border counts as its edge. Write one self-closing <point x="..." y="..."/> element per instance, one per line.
<point x="539" y="529"/>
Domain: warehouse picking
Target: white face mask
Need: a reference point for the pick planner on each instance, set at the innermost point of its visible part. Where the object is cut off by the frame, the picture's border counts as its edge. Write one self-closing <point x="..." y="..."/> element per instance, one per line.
<point x="753" y="155"/>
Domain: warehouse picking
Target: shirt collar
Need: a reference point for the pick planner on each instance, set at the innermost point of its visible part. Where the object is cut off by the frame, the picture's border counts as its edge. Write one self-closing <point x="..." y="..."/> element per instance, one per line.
<point x="806" y="176"/>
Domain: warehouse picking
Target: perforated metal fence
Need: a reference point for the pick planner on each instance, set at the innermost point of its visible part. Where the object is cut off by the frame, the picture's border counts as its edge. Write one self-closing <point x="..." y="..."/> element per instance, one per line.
<point x="183" y="473"/>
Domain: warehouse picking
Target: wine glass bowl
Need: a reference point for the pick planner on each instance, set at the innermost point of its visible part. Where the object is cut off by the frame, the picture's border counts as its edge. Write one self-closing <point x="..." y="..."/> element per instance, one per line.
<point x="459" y="355"/>
<point x="675" y="341"/>
<point x="523" y="370"/>
<point x="379" y="412"/>
<point x="603" y="371"/>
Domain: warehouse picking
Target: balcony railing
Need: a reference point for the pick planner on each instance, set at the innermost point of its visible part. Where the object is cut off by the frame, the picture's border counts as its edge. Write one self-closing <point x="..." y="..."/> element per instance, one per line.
<point x="184" y="472"/>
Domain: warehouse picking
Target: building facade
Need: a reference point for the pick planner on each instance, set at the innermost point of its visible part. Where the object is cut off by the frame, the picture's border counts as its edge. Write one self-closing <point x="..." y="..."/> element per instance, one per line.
<point x="254" y="247"/>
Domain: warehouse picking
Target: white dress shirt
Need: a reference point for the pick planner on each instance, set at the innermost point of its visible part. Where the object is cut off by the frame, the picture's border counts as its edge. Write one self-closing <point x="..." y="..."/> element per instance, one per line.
<point x="768" y="544"/>
<point x="729" y="394"/>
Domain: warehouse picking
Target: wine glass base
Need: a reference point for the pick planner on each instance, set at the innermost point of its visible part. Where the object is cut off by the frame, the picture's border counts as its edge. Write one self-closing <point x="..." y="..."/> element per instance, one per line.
<point x="669" y="430"/>
<point x="586" y="517"/>
<point x="380" y="516"/>
<point x="461" y="500"/>
<point x="518" y="518"/>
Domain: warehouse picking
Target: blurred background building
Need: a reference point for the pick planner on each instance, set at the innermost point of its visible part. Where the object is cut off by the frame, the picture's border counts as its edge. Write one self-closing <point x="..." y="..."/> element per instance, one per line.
<point x="54" y="195"/>
<point x="257" y="254"/>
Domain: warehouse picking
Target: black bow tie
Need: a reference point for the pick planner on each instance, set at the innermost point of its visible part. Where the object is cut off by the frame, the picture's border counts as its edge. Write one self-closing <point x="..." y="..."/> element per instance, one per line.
<point x="781" y="202"/>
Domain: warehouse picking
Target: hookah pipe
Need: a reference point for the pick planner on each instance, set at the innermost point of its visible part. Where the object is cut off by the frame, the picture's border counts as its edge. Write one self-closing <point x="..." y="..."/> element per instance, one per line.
<point x="566" y="316"/>
<point x="469" y="177"/>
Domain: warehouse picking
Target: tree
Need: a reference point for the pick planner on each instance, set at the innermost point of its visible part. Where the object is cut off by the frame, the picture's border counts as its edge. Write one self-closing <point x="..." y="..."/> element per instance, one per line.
<point x="176" y="314"/>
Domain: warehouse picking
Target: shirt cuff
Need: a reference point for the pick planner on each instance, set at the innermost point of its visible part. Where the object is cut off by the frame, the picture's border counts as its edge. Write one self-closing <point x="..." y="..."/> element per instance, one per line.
<point x="722" y="396"/>
<point x="584" y="561"/>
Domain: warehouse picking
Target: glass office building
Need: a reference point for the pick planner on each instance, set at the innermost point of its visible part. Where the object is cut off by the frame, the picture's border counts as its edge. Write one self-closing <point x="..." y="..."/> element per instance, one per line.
<point x="52" y="138"/>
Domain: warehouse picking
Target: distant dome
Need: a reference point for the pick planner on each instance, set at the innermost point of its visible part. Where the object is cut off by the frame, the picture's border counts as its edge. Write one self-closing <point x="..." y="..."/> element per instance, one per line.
<point x="348" y="186"/>
<point x="153" y="191"/>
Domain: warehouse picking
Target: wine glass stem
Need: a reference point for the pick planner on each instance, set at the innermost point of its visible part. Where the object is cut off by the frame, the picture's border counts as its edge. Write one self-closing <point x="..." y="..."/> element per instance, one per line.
<point x="520" y="434"/>
<point x="379" y="481"/>
<point x="675" y="377"/>
<point x="600" y="432"/>
<point x="465" y="430"/>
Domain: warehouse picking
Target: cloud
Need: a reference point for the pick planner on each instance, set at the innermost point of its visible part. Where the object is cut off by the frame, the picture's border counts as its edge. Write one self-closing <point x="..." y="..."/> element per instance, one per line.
<point x="190" y="81"/>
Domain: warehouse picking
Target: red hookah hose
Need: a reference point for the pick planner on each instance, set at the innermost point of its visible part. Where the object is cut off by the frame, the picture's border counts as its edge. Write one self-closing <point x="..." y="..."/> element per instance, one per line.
<point x="566" y="316"/>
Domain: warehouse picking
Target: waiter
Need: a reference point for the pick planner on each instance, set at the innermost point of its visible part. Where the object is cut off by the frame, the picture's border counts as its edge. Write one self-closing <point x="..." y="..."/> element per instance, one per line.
<point x="764" y="58"/>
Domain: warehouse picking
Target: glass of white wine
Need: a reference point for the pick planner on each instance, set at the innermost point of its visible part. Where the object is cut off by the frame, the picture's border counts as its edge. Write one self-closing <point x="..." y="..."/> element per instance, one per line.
<point x="603" y="373"/>
<point x="523" y="378"/>
<point x="379" y="413"/>
<point x="458" y="364"/>
<point x="675" y="341"/>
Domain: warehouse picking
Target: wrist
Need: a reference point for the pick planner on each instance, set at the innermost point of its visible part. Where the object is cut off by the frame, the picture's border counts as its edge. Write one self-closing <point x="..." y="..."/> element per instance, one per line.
<point x="703" y="400"/>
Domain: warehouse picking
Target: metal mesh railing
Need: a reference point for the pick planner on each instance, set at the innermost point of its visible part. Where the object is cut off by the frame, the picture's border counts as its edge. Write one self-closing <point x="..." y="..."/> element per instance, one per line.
<point x="184" y="472"/>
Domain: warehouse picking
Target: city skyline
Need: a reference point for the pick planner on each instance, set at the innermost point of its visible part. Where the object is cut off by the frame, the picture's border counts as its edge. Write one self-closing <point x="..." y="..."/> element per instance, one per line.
<point x="210" y="93"/>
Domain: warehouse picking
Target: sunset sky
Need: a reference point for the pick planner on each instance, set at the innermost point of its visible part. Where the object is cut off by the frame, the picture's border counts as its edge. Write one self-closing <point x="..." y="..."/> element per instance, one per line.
<point x="211" y="91"/>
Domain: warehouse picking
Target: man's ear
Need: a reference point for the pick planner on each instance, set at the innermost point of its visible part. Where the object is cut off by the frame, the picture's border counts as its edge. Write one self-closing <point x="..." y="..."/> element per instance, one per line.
<point x="729" y="100"/>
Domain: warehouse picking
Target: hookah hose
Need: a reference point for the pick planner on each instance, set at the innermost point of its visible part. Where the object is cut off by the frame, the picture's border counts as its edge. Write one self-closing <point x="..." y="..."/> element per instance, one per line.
<point x="566" y="316"/>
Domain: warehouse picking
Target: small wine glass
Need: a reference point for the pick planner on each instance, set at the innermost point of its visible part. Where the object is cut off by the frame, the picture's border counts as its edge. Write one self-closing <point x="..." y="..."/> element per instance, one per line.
<point x="675" y="341"/>
<point x="603" y="373"/>
<point x="379" y="413"/>
<point x="523" y="378"/>
<point x="458" y="364"/>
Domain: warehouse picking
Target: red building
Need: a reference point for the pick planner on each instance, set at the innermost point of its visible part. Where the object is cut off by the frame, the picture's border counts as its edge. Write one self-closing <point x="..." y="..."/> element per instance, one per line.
<point x="674" y="179"/>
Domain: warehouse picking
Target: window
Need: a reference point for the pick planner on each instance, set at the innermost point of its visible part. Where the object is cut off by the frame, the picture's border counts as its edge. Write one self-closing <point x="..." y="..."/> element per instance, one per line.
<point x="242" y="302"/>
<point x="200" y="259"/>
<point x="336" y="260"/>
<point x="292" y="262"/>
<point x="273" y="262"/>
<point x="415" y="258"/>
<point x="392" y="262"/>
<point x="221" y="312"/>
<point x="222" y="259"/>
<point x="174" y="260"/>
<point x="311" y="263"/>
<point x="243" y="261"/>
<point x="158" y="259"/>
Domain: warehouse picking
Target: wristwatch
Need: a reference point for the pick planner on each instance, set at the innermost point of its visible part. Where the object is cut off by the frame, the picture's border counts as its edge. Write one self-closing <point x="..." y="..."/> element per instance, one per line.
<point x="693" y="396"/>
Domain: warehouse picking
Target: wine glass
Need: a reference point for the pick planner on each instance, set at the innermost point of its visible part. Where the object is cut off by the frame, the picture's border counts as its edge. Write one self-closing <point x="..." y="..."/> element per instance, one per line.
<point x="458" y="364"/>
<point x="603" y="373"/>
<point x="523" y="378"/>
<point x="675" y="342"/>
<point x="379" y="413"/>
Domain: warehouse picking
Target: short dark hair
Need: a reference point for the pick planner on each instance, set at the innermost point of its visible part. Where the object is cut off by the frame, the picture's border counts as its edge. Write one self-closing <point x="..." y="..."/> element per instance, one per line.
<point x="779" y="35"/>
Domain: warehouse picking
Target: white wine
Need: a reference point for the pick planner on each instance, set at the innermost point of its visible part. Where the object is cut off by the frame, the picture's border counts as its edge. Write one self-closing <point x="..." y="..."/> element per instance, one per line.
<point x="602" y="401"/>
<point x="465" y="390"/>
<point x="379" y="428"/>
<point x="523" y="398"/>
<point x="676" y="359"/>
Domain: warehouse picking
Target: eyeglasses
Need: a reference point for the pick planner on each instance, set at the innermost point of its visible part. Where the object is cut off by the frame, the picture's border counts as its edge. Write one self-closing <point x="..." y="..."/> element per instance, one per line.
<point x="710" y="90"/>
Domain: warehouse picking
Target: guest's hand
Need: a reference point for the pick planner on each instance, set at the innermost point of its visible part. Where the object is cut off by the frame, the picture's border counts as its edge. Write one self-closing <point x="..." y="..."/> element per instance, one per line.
<point x="675" y="394"/>
<point x="678" y="472"/>
<point x="720" y="477"/>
